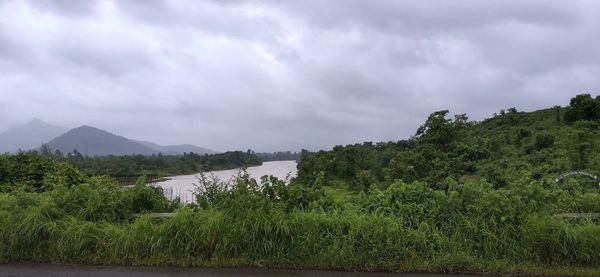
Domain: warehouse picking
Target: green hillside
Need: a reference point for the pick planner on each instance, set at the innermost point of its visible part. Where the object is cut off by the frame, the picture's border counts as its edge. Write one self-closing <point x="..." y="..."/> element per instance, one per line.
<point x="509" y="146"/>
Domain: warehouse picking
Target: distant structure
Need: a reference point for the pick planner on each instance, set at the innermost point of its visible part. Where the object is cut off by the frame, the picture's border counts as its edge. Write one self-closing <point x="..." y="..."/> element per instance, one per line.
<point x="581" y="173"/>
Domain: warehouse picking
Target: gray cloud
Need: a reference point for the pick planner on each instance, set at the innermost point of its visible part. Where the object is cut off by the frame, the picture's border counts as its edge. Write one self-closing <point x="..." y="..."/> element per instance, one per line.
<point x="274" y="75"/>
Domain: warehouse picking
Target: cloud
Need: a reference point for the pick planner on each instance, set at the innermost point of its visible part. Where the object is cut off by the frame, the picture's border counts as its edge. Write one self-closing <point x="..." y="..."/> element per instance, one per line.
<point x="275" y="75"/>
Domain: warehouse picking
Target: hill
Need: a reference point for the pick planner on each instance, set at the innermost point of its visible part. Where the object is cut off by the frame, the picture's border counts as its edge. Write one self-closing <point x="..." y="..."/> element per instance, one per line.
<point x="177" y="149"/>
<point x="91" y="141"/>
<point x="28" y="136"/>
<point x="506" y="148"/>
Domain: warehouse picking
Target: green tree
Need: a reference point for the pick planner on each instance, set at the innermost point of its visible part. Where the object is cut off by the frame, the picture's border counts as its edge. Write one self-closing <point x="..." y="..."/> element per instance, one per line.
<point x="543" y="141"/>
<point x="582" y="107"/>
<point x="579" y="150"/>
<point x="440" y="131"/>
<point x="557" y="110"/>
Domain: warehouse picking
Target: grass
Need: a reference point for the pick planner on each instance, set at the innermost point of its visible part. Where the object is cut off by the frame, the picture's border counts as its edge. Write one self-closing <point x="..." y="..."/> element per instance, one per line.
<point x="405" y="227"/>
<point x="301" y="240"/>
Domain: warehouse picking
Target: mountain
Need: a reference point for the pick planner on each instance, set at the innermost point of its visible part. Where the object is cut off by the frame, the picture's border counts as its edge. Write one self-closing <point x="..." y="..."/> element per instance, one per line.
<point x="177" y="149"/>
<point x="92" y="141"/>
<point x="29" y="136"/>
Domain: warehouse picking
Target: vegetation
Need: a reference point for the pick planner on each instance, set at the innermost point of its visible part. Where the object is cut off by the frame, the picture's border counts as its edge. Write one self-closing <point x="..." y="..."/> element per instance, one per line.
<point x="458" y="196"/>
<point x="583" y="107"/>
<point x="501" y="150"/>
<point x="162" y="165"/>
<point x="279" y="156"/>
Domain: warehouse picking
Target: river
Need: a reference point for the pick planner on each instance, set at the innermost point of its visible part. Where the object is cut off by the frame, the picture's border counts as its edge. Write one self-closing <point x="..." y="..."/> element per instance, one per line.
<point x="182" y="185"/>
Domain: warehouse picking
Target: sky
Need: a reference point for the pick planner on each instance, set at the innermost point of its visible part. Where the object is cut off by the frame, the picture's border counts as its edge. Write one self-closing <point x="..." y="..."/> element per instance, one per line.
<point x="286" y="75"/>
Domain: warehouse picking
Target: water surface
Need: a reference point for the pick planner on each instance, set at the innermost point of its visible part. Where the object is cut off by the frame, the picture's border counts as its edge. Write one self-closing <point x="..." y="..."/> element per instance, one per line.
<point x="182" y="185"/>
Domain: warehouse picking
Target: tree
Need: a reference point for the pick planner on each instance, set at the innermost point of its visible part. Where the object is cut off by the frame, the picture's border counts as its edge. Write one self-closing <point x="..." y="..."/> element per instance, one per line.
<point x="582" y="107"/>
<point x="45" y="150"/>
<point x="579" y="149"/>
<point x="513" y="116"/>
<point x="543" y="141"/>
<point x="597" y="108"/>
<point x="440" y="131"/>
<point x="557" y="111"/>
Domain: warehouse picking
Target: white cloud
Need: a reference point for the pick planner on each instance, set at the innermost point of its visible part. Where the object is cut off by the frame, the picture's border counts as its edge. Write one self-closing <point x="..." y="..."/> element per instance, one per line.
<point x="274" y="75"/>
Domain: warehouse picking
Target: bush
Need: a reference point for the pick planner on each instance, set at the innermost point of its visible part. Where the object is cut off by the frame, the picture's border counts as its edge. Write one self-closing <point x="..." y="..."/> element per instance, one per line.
<point x="543" y="141"/>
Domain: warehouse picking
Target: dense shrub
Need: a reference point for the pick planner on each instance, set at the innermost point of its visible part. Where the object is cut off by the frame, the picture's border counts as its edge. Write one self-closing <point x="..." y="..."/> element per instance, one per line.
<point x="35" y="173"/>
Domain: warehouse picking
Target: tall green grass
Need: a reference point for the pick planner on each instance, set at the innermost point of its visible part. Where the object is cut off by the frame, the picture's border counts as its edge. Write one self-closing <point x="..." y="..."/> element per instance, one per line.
<point x="348" y="241"/>
<point x="405" y="227"/>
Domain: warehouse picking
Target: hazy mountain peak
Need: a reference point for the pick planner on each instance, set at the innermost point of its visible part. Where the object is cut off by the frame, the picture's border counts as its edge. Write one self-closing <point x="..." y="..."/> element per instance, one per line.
<point x="92" y="141"/>
<point x="35" y="121"/>
<point x="30" y="135"/>
<point x="87" y="128"/>
<point x="86" y="139"/>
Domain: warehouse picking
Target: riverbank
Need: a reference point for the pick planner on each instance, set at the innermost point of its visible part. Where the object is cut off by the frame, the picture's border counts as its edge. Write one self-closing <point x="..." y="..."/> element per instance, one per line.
<point x="182" y="186"/>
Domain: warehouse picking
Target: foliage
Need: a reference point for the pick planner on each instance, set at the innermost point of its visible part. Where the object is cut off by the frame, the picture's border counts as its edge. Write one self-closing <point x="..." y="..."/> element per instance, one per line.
<point x="500" y="149"/>
<point x="406" y="226"/>
<point x="162" y="165"/>
<point x="459" y="196"/>
<point x="278" y="156"/>
<point x="32" y="172"/>
<point x="583" y="107"/>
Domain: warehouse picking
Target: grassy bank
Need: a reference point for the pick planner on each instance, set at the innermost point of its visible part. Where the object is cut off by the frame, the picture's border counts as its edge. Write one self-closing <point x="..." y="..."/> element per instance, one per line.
<point x="406" y="227"/>
<point x="297" y="240"/>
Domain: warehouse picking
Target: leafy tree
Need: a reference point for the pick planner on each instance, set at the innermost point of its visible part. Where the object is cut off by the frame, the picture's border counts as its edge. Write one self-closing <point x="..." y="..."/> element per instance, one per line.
<point x="583" y="107"/>
<point x="440" y="131"/>
<point x="557" y="110"/>
<point x="543" y="141"/>
<point x="579" y="150"/>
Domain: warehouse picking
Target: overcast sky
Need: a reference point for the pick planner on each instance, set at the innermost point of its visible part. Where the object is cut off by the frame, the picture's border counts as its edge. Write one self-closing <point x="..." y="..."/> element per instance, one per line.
<point x="279" y="75"/>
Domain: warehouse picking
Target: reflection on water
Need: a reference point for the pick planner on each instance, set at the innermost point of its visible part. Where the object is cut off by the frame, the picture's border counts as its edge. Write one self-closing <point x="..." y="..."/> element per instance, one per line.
<point x="182" y="186"/>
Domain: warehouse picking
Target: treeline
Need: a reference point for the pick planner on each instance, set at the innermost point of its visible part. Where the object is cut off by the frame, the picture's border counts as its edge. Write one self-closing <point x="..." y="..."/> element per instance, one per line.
<point x="31" y="183"/>
<point x="162" y="165"/>
<point x="278" y="156"/>
<point x="583" y="107"/>
<point x="540" y="145"/>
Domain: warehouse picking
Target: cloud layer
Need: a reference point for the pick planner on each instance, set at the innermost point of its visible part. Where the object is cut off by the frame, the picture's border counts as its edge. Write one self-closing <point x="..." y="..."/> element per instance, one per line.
<point x="276" y="75"/>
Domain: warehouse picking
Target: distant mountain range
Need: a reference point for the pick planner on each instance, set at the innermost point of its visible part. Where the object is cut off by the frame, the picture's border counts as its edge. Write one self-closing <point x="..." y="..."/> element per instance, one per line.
<point x="29" y="136"/>
<point x="86" y="140"/>
<point x="91" y="141"/>
<point x="177" y="149"/>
